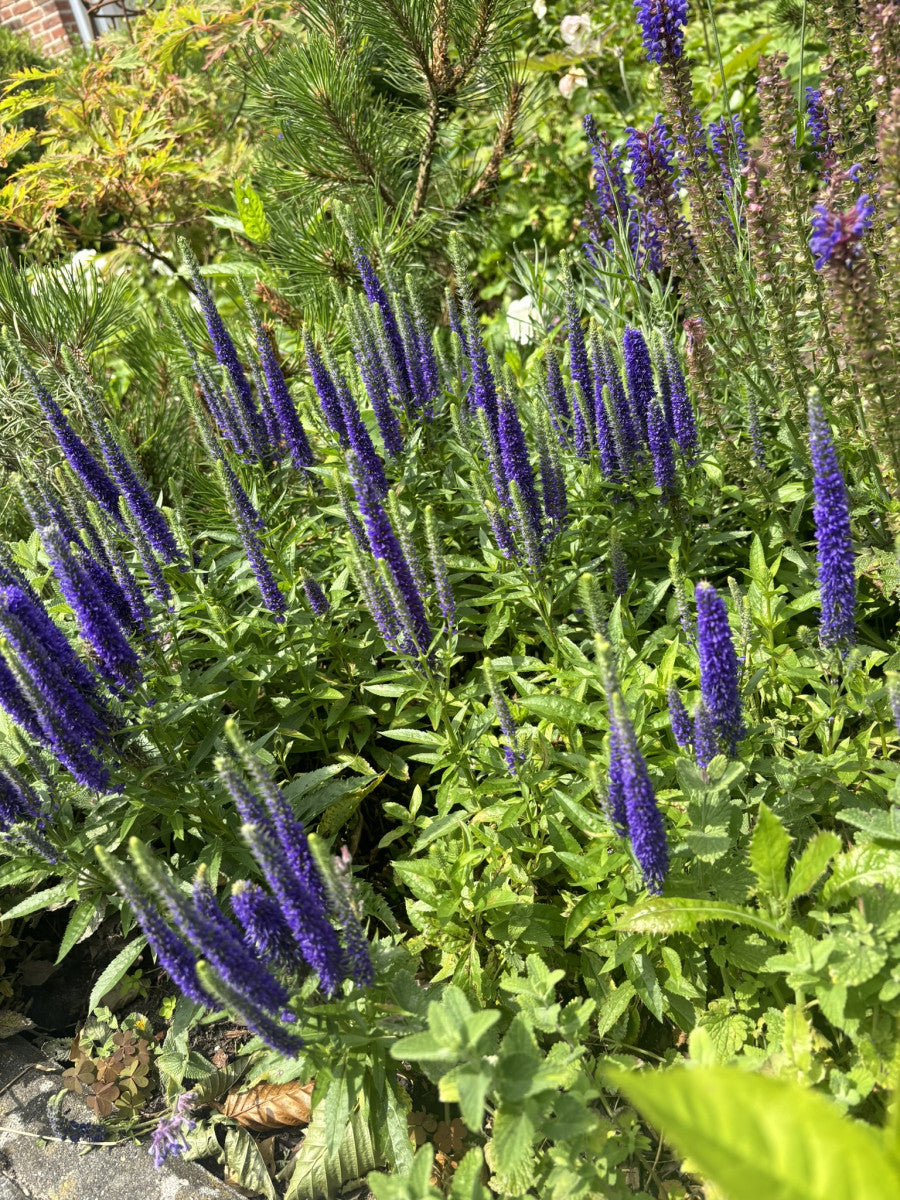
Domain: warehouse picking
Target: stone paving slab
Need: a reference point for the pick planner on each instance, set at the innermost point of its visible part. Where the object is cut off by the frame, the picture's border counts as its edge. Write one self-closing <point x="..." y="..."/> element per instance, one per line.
<point x="34" y="1170"/>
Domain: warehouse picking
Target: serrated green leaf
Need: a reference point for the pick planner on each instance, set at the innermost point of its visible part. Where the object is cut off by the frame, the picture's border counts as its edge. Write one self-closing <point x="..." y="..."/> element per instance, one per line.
<point x="676" y="915"/>
<point x="756" y="1136"/>
<point x="884" y="826"/>
<point x="467" y="1085"/>
<point x="565" y="712"/>
<point x="816" y="856"/>
<point x="510" y="1150"/>
<point x="318" y="1175"/>
<point x="769" y="849"/>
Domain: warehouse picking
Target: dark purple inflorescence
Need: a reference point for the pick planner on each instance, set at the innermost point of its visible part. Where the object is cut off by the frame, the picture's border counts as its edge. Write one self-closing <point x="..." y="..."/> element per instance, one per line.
<point x="638" y="377"/>
<point x="662" y="25"/>
<point x="661" y="451"/>
<point x="719" y="671"/>
<point x="385" y="545"/>
<point x="248" y="523"/>
<point x="632" y="795"/>
<point x="654" y="177"/>
<point x="831" y="514"/>
<point x="706" y="739"/>
<point x="47" y="690"/>
<point x="682" y="727"/>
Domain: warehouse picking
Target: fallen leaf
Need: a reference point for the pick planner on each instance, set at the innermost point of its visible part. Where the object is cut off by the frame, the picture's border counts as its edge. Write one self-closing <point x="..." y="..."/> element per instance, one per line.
<point x="219" y="1059"/>
<point x="270" y="1106"/>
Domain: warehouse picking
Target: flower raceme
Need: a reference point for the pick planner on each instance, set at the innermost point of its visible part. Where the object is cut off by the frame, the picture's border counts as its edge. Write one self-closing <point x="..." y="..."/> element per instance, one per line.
<point x="719" y="669"/>
<point x="304" y="918"/>
<point x="662" y="25"/>
<point x="834" y="544"/>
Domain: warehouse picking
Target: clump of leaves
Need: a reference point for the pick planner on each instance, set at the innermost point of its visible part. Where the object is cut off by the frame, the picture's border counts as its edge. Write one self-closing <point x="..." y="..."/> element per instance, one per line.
<point x="113" y="1069"/>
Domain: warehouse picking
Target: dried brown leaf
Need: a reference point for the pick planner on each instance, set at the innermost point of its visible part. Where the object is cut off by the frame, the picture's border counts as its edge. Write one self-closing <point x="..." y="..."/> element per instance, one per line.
<point x="270" y="1106"/>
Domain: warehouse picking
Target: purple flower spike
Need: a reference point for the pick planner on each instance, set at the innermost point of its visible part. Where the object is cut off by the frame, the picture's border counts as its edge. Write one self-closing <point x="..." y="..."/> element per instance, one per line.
<point x="358" y="436"/>
<point x="80" y="459"/>
<point x="516" y="465"/>
<point x="247" y="528"/>
<point x="556" y="394"/>
<point x="265" y="929"/>
<point x="705" y="737"/>
<point x="684" y="426"/>
<point x="386" y="546"/>
<point x="639" y="377"/>
<point x="376" y="294"/>
<point x="280" y="399"/>
<point x="97" y="622"/>
<point x="512" y="754"/>
<point x="578" y="358"/>
<point x="682" y="726"/>
<point x="318" y="601"/>
<point x="227" y="356"/>
<point x="634" y="792"/>
<point x="831" y="515"/>
<point x="662" y="25"/>
<point x="661" y="451"/>
<point x="606" y="444"/>
<point x="719" y="671"/>
<point x="326" y="391"/>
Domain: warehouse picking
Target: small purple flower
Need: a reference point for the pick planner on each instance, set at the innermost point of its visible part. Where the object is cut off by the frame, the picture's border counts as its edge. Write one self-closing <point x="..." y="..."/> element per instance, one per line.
<point x="80" y="459"/>
<point x="170" y="1136"/>
<point x="719" y="670"/>
<point x="837" y="238"/>
<point x="834" y="543"/>
<point x="817" y="122"/>
<point x="662" y="25"/>
<point x="729" y="147"/>
<point x="264" y="927"/>
<point x="682" y="726"/>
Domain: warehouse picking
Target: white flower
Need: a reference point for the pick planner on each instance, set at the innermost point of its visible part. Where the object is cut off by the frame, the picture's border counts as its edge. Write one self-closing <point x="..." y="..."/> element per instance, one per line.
<point x="522" y="319"/>
<point x="573" y="78"/>
<point x="576" y="32"/>
<point x="539" y="8"/>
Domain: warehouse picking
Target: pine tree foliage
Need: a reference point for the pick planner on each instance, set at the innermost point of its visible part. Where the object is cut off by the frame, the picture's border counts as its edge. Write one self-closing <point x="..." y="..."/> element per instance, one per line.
<point x="404" y="110"/>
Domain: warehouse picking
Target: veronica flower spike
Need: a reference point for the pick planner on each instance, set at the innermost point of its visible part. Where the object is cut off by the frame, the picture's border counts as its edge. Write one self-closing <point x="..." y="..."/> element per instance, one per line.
<point x="834" y="544"/>
<point x="719" y="671"/>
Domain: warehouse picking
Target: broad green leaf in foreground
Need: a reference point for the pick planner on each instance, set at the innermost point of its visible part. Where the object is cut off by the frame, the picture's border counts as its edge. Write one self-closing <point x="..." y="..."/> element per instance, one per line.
<point x="759" y="1138"/>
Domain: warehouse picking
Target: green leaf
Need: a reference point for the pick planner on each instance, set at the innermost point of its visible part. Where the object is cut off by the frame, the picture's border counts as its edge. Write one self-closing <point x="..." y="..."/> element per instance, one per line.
<point x="39" y="900"/>
<point x="769" y="849"/>
<point x="79" y="921"/>
<point x="759" y="572"/>
<point x="565" y="712"/>
<point x="251" y="212"/>
<point x="246" y="1163"/>
<point x="215" y="1083"/>
<point x="754" y="1136"/>
<point x="816" y="856"/>
<point x="884" y="826"/>
<point x="467" y="1183"/>
<point x="509" y="1152"/>
<point x="676" y="915"/>
<point x="467" y="1085"/>
<point x="588" y="910"/>
<point x="115" y="971"/>
<point x="318" y="1175"/>
<point x="414" y="1184"/>
<point x="335" y="1109"/>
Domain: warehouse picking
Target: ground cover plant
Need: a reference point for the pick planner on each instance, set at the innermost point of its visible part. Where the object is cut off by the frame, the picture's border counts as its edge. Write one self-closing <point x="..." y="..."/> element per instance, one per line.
<point x="500" y="735"/>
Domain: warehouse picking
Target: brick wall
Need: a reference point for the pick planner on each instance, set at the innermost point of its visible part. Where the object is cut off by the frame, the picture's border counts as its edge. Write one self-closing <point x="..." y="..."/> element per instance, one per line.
<point x="49" y="23"/>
